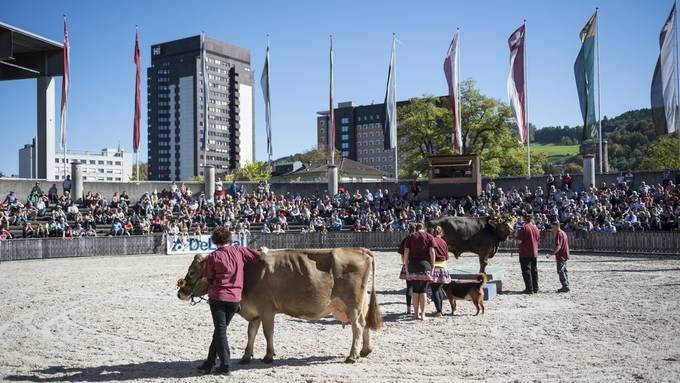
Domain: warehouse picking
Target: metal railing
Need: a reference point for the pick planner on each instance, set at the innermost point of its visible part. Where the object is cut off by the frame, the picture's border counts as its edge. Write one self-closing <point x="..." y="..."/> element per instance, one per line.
<point x="595" y="242"/>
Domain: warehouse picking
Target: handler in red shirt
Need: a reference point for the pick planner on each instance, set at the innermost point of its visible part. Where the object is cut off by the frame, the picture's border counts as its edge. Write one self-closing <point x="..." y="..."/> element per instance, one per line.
<point x="561" y="254"/>
<point x="528" y="237"/>
<point x="224" y="272"/>
<point x="440" y="274"/>
<point x="419" y="257"/>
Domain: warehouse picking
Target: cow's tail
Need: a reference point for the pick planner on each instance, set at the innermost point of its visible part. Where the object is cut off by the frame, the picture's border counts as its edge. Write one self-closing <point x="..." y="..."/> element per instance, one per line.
<point x="374" y="318"/>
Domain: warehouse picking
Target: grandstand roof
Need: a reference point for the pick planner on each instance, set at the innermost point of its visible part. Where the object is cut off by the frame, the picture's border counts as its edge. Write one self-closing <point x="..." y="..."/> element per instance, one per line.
<point x="26" y="55"/>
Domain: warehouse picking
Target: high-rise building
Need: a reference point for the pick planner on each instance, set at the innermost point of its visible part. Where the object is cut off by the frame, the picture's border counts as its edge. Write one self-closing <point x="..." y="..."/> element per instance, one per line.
<point x="176" y="115"/>
<point x="27" y="161"/>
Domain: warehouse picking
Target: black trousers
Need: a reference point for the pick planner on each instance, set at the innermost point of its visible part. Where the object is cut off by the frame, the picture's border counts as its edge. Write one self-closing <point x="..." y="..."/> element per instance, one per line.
<point x="529" y="273"/>
<point x="222" y="313"/>
<point x="437" y="296"/>
<point x="409" y="291"/>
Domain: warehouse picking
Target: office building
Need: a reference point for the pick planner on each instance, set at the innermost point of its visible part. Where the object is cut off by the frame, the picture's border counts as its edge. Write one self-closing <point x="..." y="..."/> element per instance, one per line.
<point x="112" y="165"/>
<point x="176" y="115"/>
<point x="359" y="134"/>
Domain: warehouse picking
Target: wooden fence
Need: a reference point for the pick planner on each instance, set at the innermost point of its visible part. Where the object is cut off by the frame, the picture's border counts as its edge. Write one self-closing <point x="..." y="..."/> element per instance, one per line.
<point x="594" y="242"/>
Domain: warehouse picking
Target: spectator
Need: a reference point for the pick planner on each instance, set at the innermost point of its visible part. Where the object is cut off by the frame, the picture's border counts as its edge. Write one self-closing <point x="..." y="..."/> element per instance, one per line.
<point x="27" y="231"/>
<point x="629" y="177"/>
<point x="116" y="227"/>
<point x="67" y="184"/>
<point x="52" y="193"/>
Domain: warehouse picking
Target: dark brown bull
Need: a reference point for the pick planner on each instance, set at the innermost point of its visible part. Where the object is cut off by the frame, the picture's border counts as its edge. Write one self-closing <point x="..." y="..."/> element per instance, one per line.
<point x="475" y="235"/>
<point x="303" y="283"/>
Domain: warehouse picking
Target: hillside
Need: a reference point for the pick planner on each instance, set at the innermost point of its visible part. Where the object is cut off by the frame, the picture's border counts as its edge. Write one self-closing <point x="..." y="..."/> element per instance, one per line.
<point x="629" y="134"/>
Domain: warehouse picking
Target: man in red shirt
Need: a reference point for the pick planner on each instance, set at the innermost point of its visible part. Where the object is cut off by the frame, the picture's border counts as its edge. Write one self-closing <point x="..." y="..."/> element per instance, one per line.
<point x="528" y="237"/>
<point x="561" y="254"/>
<point x="224" y="271"/>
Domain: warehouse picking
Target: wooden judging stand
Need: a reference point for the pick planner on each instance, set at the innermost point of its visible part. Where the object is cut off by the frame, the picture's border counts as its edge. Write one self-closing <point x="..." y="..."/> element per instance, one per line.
<point x="455" y="176"/>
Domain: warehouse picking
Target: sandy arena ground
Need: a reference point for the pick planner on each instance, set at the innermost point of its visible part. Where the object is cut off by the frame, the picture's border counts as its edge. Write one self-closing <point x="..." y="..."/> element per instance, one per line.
<point x="118" y="319"/>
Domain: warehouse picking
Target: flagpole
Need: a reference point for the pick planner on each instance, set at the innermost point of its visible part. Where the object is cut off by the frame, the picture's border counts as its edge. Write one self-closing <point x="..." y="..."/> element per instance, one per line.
<point x="268" y="111"/>
<point x="204" y="54"/>
<point x="63" y="120"/>
<point x="331" y="123"/>
<point x="526" y="104"/>
<point x="396" y="141"/>
<point x="137" y="60"/>
<point x="599" y="106"/>
<point x="458" y="111"/>
<point x="677" y="78"/>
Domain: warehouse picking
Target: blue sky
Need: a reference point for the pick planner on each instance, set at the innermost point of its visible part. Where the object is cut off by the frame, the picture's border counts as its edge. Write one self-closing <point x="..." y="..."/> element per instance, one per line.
<point x="102" y="69"/>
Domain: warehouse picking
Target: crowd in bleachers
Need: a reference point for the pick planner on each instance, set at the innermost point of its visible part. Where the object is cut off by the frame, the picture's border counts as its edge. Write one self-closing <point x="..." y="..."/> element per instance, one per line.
<point x="178" y="211"/>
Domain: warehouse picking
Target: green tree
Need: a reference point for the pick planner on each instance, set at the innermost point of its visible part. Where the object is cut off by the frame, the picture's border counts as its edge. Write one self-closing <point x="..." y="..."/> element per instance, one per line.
<point x="143" y="172"/>
<point x="254" y="171"/>
<point x="573" y="168"/>
<point x="662" y="154"/>
<point x="316" y="154"/>
<point x="426" y="125"/>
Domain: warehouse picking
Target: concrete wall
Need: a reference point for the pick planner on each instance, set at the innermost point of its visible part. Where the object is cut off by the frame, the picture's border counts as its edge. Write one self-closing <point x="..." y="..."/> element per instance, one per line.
<point x="136" y="189"/>
<point x="595" y="242"/>
<point x="651" y="177"/>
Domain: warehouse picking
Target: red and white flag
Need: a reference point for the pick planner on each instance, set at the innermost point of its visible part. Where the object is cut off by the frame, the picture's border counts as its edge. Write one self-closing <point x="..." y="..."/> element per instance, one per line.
<point x="331" y="112"/>
<point x="138" y="96"/>
<point x="451" y="73"/>
<point x="516" y="81"/>
<point x="65" y="86"/>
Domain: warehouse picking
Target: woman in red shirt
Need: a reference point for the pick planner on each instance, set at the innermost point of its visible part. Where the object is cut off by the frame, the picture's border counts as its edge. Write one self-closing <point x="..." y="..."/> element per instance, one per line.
<point x="224" y="272"/>
<point x="440" y="274"/>
<point x="418" y="259"/>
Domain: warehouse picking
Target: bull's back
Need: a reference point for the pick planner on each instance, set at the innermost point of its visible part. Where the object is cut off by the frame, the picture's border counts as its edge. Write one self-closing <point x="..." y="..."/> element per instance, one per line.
<point x="467" y="234"/>
<point x="302" y="282"/>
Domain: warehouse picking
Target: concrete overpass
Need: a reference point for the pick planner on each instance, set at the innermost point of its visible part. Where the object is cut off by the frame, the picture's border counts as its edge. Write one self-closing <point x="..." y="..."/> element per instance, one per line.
<point x="25" y="55"/>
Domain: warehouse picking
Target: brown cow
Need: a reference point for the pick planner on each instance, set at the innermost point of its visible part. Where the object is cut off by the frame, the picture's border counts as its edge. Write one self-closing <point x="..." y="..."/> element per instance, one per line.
<point x="475" y="235"/>
<point x="306" y="284"/>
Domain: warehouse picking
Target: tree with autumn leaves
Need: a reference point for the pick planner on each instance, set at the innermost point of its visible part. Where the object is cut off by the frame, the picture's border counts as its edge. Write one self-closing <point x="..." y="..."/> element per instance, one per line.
<point x="487" y="130"/>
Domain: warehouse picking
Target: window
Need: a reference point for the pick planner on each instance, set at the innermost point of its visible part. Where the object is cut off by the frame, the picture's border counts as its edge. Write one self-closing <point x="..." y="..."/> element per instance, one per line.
<point x="118" y="163"/>
<point x="345" y="153"/>
<point x="56" y="160"/>
<point x="345" y="129"/>
<point x="100" y="162"/>
<point x="345" y="137"/>
<point x="344" y="120"/>
<point x="345" y="145"/>
<point x="109" y="162"/>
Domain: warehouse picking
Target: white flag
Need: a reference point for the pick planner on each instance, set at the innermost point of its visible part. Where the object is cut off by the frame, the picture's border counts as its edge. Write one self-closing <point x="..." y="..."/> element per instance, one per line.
<point x="451" y="73"/>
<point x="390" y="124"/>
<point x="664" y="82"/>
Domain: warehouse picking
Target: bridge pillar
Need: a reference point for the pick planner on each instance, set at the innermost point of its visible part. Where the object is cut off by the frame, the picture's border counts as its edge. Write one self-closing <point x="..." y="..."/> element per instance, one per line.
<point x="46" y="123"/>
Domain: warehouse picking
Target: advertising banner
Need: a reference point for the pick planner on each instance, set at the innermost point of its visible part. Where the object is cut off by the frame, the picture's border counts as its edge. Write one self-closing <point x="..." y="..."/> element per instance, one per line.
<point x="198" y="244"/>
